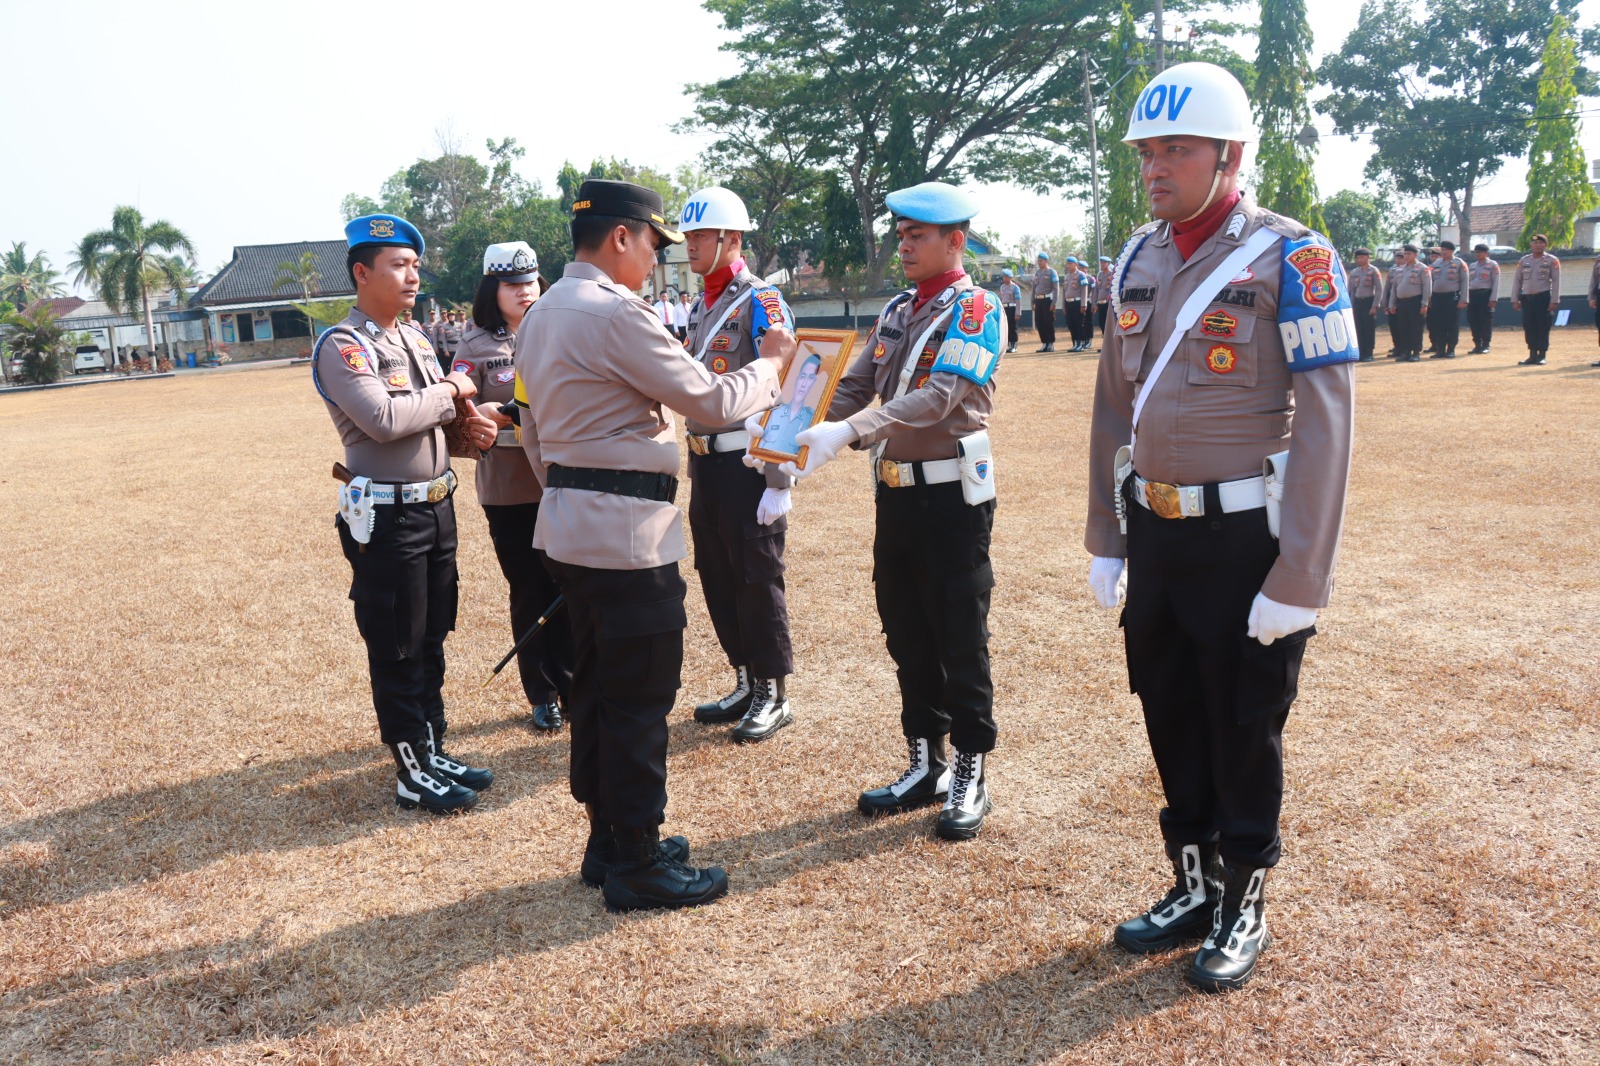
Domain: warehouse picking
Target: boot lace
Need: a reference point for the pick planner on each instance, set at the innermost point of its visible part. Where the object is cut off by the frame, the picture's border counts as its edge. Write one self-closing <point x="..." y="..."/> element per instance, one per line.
<point x="961" y="780"/>
<point x="761" y="700"/>
<point x="916" y="766"/>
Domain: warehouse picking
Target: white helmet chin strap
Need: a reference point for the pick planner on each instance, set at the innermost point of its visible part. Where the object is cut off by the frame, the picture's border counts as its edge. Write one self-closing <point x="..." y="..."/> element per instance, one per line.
<point x="1216" y="179"/>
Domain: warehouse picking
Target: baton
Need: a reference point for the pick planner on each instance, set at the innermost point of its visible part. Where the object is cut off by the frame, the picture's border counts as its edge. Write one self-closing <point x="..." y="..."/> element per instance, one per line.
<point x="555" y="606"/>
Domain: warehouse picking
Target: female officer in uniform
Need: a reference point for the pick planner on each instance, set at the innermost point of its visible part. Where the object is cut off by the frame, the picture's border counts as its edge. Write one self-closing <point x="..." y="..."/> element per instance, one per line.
<point x="507" y="489"/>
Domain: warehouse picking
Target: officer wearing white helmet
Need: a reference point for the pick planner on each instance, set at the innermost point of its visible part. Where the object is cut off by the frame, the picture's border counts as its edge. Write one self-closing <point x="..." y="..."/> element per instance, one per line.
<point x="737" y="513"/>
<point x="1219" y="461"/>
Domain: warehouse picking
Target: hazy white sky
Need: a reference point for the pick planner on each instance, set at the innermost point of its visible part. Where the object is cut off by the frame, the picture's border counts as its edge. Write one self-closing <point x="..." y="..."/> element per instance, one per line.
<point x="247" y="123"/>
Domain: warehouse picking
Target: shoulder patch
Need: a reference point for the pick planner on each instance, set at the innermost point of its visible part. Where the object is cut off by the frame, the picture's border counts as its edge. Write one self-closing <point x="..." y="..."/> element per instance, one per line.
<point x="1315" y="320"/>
<point x="767" y="310"/>
<point x="971" y="347"/>
<point x="461" y="366"/>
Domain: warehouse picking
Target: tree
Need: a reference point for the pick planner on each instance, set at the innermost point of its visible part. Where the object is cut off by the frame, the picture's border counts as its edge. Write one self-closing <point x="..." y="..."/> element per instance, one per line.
<point x="1447" y="97"/>
<point x="1126" y="207"/>
<point x="125" y="263"/>
<point x="394" y="198"/>
<point x="300" y="274"/>
<point x="325" y="313"/>
<point x="1283" y="80"/>
<point x="996" y="104"/>
<point x="25" y="278"/>
<point x="1353" y="220"/>
<point x="38" y="336"/>
<point x="1558" y="180"/>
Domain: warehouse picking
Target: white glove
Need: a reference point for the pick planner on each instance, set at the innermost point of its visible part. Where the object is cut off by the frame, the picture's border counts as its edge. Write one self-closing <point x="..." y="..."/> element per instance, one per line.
<point x="775" y="503"/>
<point x="825" y="439"/>
<point x="752" y="426"/>
<point x="1270" y="619"/>
<point x="1109" y="580"/>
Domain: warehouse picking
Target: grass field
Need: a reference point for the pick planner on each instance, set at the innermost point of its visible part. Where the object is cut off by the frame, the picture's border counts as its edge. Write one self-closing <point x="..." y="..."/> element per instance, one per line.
<point x="200" y="860"/>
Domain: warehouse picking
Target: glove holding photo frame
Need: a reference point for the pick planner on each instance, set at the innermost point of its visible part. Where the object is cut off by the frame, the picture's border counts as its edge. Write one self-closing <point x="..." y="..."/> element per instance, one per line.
<point x="805" y="393"/>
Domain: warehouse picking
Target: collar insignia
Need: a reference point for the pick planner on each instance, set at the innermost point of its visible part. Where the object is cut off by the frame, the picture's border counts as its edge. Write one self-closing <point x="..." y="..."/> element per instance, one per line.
<point x="372" y="328"/>
<point x="1236" y="225"/>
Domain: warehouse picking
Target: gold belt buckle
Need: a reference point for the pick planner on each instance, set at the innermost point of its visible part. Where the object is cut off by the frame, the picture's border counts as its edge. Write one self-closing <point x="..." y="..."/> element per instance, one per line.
<point x="438" y="489"/>
<point x="889" y="473"/>
<point x="698" y="444"/>
<point x="1163" y="499"/>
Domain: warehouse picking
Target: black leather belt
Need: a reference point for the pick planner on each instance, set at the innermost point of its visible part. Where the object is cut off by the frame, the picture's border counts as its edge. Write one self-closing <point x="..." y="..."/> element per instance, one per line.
<point x="662" y="488"/>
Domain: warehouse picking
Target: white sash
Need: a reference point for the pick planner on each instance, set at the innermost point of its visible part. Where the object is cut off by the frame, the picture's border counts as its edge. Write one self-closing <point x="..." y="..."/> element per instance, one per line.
<point x="733" y="305"/>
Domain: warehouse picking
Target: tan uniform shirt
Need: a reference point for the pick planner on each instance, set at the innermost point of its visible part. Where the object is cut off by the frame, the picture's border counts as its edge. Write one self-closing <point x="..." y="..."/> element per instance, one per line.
<point x="1073" y="290"/>
<point x="503" y="475"/>
<point x="388" y="415"/>
<point x="1102" y="286"/>
<point x="1450" y="279"/>
<point x="1227" y="400"/>
<point x="1410" y="279"/>
<point x="1010" y="294"/>
<point x="1366" y="282"/>
<point x="1536" y="274"/>
<point x="1044" y="284"/>
<point x="601" y="373"/>
<point x="936" y="410"/>
<point x="1484" y="275"/>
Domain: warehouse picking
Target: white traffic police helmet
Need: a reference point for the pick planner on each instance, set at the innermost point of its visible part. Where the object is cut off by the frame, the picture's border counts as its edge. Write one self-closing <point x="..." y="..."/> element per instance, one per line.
<point x="715" y="208"/>
<point x="1195" y="100"/>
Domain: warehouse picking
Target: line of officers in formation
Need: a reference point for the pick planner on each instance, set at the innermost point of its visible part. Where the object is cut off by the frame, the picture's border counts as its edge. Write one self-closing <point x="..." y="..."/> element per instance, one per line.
<point x="1219" y="459"/>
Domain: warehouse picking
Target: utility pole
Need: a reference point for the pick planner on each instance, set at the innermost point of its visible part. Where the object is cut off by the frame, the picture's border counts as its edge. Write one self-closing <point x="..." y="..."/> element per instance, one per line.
<point x="1161" y="40"/>
<point x="1094" y="154"/>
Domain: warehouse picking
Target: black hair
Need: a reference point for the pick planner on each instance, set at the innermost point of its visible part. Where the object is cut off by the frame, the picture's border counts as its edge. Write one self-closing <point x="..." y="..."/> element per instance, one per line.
<point x="363" y="254"/>
<point x="486" y="305"/>
<point x="1480" y="247"/>
<point x="590" y="231"/>
<point x="964" y="227"/>
<point x="1363" y="251"/>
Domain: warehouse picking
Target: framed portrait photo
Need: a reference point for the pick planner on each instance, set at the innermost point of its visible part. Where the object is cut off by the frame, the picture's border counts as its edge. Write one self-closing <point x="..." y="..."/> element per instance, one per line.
<point x="806" y="391"/>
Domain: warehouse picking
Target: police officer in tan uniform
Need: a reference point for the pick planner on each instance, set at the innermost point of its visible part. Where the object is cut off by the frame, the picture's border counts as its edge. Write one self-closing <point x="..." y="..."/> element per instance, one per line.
<point x="1223" y="569"/>
<point x="1537" y="283"/>
<point x="389" y="399"/>
<point x="507" y="489"/>
<point x="738" y="516"/>
<point x="1410" y="294"/>
<point x="1366" y="296"/>
<point x="1102" y="292"/>
<point x="1011" y="302"/>
<point x="1449" y="297"/>
<point x="602" y="377"/>
<point x="1045" y="280"/>
<point x="1483" y="290"/>
<point x="1074" y="301"/>
<point x="931" y="359"/>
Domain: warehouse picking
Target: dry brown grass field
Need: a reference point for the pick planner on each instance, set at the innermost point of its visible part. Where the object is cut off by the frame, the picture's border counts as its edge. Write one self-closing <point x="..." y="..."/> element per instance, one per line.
<point x="200" y="860"/>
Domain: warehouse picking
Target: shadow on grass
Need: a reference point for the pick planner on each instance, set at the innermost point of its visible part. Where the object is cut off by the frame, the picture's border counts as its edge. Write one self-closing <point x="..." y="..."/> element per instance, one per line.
<point x="316" y="800"/>
<point x="250" y="989"/>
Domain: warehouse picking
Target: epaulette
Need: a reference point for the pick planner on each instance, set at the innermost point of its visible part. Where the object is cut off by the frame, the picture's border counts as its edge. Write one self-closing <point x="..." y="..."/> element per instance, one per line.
<point x="1288" y="227"/>
<point x="896" y="300"/>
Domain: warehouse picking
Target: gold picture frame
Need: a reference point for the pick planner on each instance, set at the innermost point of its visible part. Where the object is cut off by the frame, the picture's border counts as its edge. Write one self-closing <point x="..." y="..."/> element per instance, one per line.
<point x="814" y="374"/>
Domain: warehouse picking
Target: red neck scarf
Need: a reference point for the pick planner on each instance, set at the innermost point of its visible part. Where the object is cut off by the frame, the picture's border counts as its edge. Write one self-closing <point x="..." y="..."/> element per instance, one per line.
<point x="718" y="280"/>
<point x="1189" y="236"/>
<point x="931" y="287"/>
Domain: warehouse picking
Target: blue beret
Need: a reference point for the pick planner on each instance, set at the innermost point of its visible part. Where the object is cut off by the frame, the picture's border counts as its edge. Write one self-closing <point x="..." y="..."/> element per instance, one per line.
<point x="1006" y="271"/>
<point x="1072" y="259"/>
<point x="932" y="202"/>
<point x="383" y="230"/>
<point x="1107" y="259"/>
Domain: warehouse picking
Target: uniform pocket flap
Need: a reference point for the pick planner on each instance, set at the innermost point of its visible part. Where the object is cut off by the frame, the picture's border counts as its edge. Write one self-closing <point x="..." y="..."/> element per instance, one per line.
<point x="644" y="619"/>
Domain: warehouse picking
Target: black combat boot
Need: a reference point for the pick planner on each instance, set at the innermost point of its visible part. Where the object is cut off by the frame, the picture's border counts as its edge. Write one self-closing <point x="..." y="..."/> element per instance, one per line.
<point x="601" y="851"/>
<point x="926" y="780"/>
<point x="417" y="787"/>
<point x="968" y="799"/>
<point x="1238" y="933"/>
<point x="643" y="877"/>
<point x="729" y="708"/>
<point x="547" y="716"/>
<point x="769" y="711"/>
<point x="1186" y="911"/>
<point x="447" y="766"/>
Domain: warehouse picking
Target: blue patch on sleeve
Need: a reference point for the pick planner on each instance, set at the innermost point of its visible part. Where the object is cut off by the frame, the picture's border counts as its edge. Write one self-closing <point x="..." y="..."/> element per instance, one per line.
<point x="971" y="347"/>
<point x="1314" y="316"/>
<point x="767" y="310"/>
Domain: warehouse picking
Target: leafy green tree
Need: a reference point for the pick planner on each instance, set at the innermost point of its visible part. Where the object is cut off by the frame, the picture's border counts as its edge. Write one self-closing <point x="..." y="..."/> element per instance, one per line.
<point x="1126" y="207"/>
<point x="1444" y="93"/>
<point x="325" y="313"/>
<point x="1353" y="220"/>
<point x="41" y="341"/>
<point x="1283" y="80"/>
<point x="394" y="198"/>
<point x="300" y="274"/>
<point x="25" y="278"/>
<point x="842" y="258"/>
<point x="1558" y="181"/>
<point x="132" y="259"/>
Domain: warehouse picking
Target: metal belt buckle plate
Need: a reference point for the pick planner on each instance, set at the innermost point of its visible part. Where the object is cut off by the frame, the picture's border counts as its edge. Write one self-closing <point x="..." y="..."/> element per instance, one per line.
<point x="889" y="473"/>
<point x="1163" y="499"/>
<point x="438" y="489"/>
<point x="698" y="444"/>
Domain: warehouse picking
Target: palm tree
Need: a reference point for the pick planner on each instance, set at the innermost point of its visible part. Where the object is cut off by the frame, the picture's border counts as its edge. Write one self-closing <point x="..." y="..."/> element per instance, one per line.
<point x="24" y="279"/>
<point x="302" y="275"/>
<point x="125" y="263"/>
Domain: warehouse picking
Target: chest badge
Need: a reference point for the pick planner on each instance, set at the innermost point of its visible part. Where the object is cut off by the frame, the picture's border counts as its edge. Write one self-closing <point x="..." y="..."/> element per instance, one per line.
<point x="505" y="376"/>
<point x="461" y="366"/>
<point x="399" y="380"/>
<point x="721" y="343"/>
<point x="1219" y="324"/>
<point x="1128" y="319"/>
<point x="719" y="364"/>
<point x="1221" y="359"/>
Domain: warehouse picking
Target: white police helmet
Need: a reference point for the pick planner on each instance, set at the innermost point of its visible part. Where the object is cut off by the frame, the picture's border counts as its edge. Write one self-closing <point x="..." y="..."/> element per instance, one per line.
<point x="1192" y="99"/>
<point x="715" y="208"/>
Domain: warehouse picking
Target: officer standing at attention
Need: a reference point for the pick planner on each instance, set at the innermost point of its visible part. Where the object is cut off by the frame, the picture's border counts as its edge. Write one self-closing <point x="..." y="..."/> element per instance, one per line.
<point x="1536" y="283"/>
<point x="1483" y="290"/>
<point x="1045" y="281"/>
<point x="931" y="358"/>
<point x="603" y="376"/>
<point x="1233" y="342"/>
<point x="1072" y="301"/>
<point x="507" y="489"/>
<point x="1366" y="295"/>
<point x="1102" y="293"/>
<point x="389" y="400"/>
<point x="1449" y="296"/>
<point x="1410" y="292"/>
<point x="738" y="517"/>
<point x="1011" y="302"/>
<point x="1396" y="268"/>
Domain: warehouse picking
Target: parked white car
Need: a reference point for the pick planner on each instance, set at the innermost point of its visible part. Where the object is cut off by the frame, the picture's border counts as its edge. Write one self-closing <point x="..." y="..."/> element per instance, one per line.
<point x="88" y="357"/>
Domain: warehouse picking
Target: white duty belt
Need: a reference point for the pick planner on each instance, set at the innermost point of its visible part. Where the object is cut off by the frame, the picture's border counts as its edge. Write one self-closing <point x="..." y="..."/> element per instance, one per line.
<point x="735" y="440"/>
<point x="898" y="475"/>
<point x="1189" y="501"/>
<point x="418" y="491"/>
